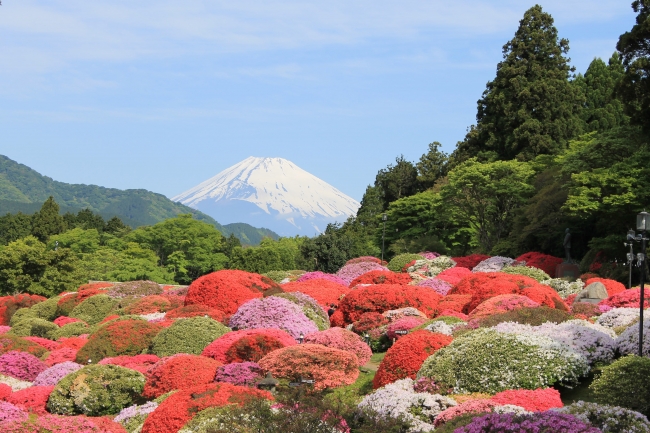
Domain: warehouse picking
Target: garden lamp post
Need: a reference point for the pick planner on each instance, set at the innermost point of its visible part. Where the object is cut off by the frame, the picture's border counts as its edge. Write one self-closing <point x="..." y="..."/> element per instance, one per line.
<point x="384" y="218"/>
<point x="631" y="234"/>
<point x="643" y="225"/>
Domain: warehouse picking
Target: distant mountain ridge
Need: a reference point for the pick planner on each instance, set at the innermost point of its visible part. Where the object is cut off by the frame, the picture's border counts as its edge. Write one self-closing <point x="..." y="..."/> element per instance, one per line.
<point x="23" y="189"/>
<point x="271" y="192"/>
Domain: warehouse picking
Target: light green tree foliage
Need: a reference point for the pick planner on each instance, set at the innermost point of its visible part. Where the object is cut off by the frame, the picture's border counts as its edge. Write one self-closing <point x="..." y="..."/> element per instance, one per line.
<point x="78" y="240"/>
<point x="26" y="265"/>
<point x="432" y="166"/>
<point x="47" y="221"/>
<point x="188" y="247"/>
<point x="270" y="255"/>
<point x="486" y="196"/>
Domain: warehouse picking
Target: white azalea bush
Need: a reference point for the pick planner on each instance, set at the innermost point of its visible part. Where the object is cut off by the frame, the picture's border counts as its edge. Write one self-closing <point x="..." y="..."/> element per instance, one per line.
<point x="628" y="341"/>
<point x="527" y="271"/>
<point x="563" y="287"/>
<point x="489" y="361"/>
<point x="619" y="317"/>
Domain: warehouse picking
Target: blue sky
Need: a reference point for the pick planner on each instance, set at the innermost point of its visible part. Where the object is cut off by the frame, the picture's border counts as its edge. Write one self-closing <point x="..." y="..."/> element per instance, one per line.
<point x="164" y="94"/>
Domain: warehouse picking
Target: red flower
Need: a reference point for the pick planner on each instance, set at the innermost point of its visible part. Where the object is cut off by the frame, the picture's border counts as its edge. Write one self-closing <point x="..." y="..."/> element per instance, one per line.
<point x="140" y="363"/>
<point x="9" y="343"/>
<point x="368" y="321"/>
<point x="539" y="400"/>
<point x="337" y="319"/>
<point x="197" y="310"/>
<point x="470" y="261"/>
<point x="64" y="320"/>
<point x="545" y="295"/>
<point x="10" y="304"/>
<point x="405" y="357"/>
<point x="381" y="277"/>
<point x="541" y="261"/>
<point x="501" y="304"/>
<point x="454" y="275"/>
<point x="149" y="304"/>
<point x="630" y="298"/>
<point x="247" y="345"/>
<point x="32" y="399"/>
<point x="325" y="292"/>
<point x="48" y="344"/>
<point x="458" y="303"/>
<point x="124" y="337"/>
<point x="342" y="339"/>
<point x="179" y="371"/>
<point x="613" y="287"/>
<point x="5" y="391"/>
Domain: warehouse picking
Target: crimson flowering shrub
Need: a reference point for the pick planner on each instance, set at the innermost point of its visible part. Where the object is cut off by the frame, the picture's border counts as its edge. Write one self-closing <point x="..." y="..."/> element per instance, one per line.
<point x="58" y="356"/>
<point x="140" y="363"/>
<point x="537" y="400"/>
<point x="179" y="372"/>
<point x="545" y="295"/>
<point x="67" y="303"/>
<point x="381" y="277"/>
<point x="328" y="367"/>
<point x="273" y="312"/>
<point x="627" y="299"/>
<point x="64" y="320"/>
<point x="382" y="297"/>
<point x="21" y="365"/>
<point x="48" y="344"/>
<point x="5" y="391"/>
<point x="96" y="285"/>
<point x="501" y="304"/>
<point x="54" y="374"/>
<point x="455" y="303"/>
<point x="613" y="287"/>
<point x="403" y="324"/>
<point x="337" y="319"/>
<point x="181" y="406"/>
<point x="471" y="406"/>
<point x="318" y="275"/>
<point x="123" y="337"/>
<point x="247" y="345"/>
<point x="239" y="373"/>
<point x="349" y="272"/>
<point x="365" y="259"/>
<point x="32" y="399"/>
<point x="470" y="262"/>
<point x="368" y="321"/>
<point x="10" y="343"/>
<point x="441" y="287"/>
<point x="149" y="304"/>
<point x="227" y="290"/>
<point x="454" y="275"/>
<point x="10" y="304"/>
<point x="545" y="262"/>
<point x="405" y="357"/>
<point x="339" y="338"/>
<point x="10" y="413"/>
<point x="325" y="292"/>
<point x="197" y="310"/>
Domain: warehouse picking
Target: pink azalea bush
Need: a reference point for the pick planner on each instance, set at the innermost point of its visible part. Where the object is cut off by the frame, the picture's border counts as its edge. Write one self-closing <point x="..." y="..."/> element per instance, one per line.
<point x="403" y="324"/>
<point x="342" y="339"/>
<point x="440" y="286"/>
<point x="21" y="365"/>
<point x="239" y="373"/>
<point x="48" y="344"/>
<point x="10" y="412"/>
<point x="349" y="272"/>
<point x="318" y="275"/>
<point x="472" y="406"/>
<point x="56" y="424"/>
<point x="273" y="312"/>
<point x="54" y="374"/>
<point x="4" y="329"/>
<point x="429" y="255"/>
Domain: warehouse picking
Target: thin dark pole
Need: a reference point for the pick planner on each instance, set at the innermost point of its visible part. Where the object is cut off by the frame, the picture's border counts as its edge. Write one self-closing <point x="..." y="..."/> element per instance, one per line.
<point x="383" y="235"/>
<point x="642" y="293"/>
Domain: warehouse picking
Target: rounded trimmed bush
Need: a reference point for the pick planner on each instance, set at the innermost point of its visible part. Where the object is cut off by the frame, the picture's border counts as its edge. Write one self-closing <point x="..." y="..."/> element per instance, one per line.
<point x="135" y="289"/>
<point x="537" y="400"/>
<point x="247" y="345"/>
<point x="469" y="262"/>
<point x="545" y="262"/>
<point x="368" y="321"/>
<point x="197" y="310"/>
<point x="10" y="304"/>
<point x="441" y="287"/>
<point x="527" y="316"/>
<point x="310" y="307"/>
<point x="10" y="343"/>
<point x="527" y="423"/>
<point x="611" y="419"/>
<point x="349" y="272"/>
<point x="140" y="363"/>
<point x="339" y="338"/>
<point x="179" y="372"/>
<point x="613" y="287"/>
<point x="398" y="262"/>
<point x="149" y="304"/>
<point x="96" y="390"/>
<point x="501" y="304"/>
<point x="239" y="373"/>
<point x="21" y="365"/>
<point x="73" y="329"/>
<point x="318" y="275"/>
<point x="528" y="271"/>
<point x="54" y="374"/>
<point x="189" y="335"/>
<point x="381" y="277"/>
<point x="32" y="399"/>
<point x="325" y="292"/>
<point x="34" y="326"/>
<point x="94" y="309"/>
<point x="615" y="382"/>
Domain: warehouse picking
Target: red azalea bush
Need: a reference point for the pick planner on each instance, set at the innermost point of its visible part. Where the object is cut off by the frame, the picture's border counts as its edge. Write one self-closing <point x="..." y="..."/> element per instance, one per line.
<point x="231" y="347"/>
<point x="628" y="299"/>
<point x="342" y="339"/>
<point x="472" y="406"/>
<point x="10" y="343"/>
<point x="179" y="371"/>
<point x="613" y="287"/>
<point x="405" y="357"/>
<point x="501" y="304"/>
<point x="381" y="277"/>
<point x="588" y="275"/>
<point x="545" y="262"/>
<point x="538" y="400"/>
<point x="10" y="304"/>
<point x="66" y="304"/>
<point x="403" y="324"/>
<point x="63" y="424"/>
<point x="454" y="275"/>
<point x="325" y="292"/>
<point x="368" y="321"/>
<point x="469" y="262"/>
<point x="382" y="297"/>
<point x="48" y="344"/>
<point x="318" y="275"/>
<point x="457" y="303"/>
<point x="227" y="290"/>
<point x="545" y="295"/>
<point x="181" y="406"/>
<point x="452" y="313"/>
<point x="149" y="304"/>
<point x="64" y="320"/>
<point x="122" y="337"/>
<point x="61" y="355"/>
<point x="337" y="319"/>
<point x="328" y="367"/>
<point x="197" y="310"/>
<point x="140" y="363"/>
<point x="32" y="399"/>
<point x="365" y="259"/>
<point x="5" y="391"/>
<point x="96" y="286"/>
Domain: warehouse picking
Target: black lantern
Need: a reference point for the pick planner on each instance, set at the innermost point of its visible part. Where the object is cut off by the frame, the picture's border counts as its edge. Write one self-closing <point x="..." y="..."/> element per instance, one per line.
<point x="268" y="383"/>
<point x="643" y="221"/>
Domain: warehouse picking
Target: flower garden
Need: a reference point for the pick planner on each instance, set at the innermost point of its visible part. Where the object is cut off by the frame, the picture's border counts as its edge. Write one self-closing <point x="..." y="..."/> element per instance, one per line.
<point x="422" y="343"/>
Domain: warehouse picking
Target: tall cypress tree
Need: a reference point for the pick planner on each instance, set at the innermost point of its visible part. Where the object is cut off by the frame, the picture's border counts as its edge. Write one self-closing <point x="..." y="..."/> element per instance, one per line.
<point x="47" y="221"/>
<point x="530" y="108"/>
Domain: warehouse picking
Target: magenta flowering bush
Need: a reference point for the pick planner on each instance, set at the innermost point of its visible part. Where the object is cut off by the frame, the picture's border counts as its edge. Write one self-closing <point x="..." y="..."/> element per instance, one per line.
<point x="9" y="412"/>
<point x="4" y="329"/>
<point x="429" y="255"/>
<point x="54" y="374"/>
<point x="239" y="373"/>
<point x="349" y="272"/>
<point x="21" y="365"/>
<point x="318" y="275"/>
<point x="540" y="422"/>
<point x="404" y="324"/>
<point x="54" y="424"/>
<point x="440" y="286"/>
<point x="273" y="312"/>
<point x="339" y="338"/>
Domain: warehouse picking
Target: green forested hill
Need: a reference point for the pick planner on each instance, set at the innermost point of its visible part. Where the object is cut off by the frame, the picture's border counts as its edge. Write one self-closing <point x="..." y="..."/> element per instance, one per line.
<point x="24" y="190"/>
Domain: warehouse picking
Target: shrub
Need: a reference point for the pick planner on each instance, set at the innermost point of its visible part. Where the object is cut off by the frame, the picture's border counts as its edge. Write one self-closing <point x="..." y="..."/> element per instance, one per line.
<point x="5" y="391"/>
<point x="149" y="304"/>
<point x="501" y="304"/>
<point x="10" y="343"/>
<point x="134" y="289"/>
<point x="611" y="419"/>
<point x="493" y="264"/>
<point x="545" y="262"/>
<point x="64" y="424"/>
<point x="123" y="337"/>
<point x="618" y="317"/>
<point x="406" y="356"/>
<point x="96" y="390"/>
<point x="190" y="335"/>
<point x="381" y="277"/>
<point x="247" y="345"/>
<point x="349" y="272"/>
<point x="54" y="374"/>
<point x="64" y="320"/>
<point x="383" y="297"/>
<point x="318" y="275"/>
<point x="67" y="302"/>
<point x="628" y="341"/>
<point x="429" y="268"/>
<point x="368" y="321"/>
<point x="132" y="417"/>
<point x="139" y="363"/>
<point x="399" y="313"/>
<point x="179" y="372"/>
<point x="10" y="304"/>
<point x="364" y="259"/>
<point x="10" y="412"/>
<point x="454" y="275"/>
<point x="472" y="406"/>
<point x="528" y="271"/>
<point x="45" y="310"/>
<point x="273" y="312"/>
<point x="339" y="338"/>
<point x="455" y="303"/>
<point x="71" y="330"/>
<point x="399" y="400"/>
<point x="527" y="316"/>
<point x="563" y="287"/>
<point x="328" y="367"/>
<point x="32" y="399"/>
<point x="197" y="310"/>
<point x="94" y="309"/>
<point x="33" y="326"/>
<point x="469" y="262"/>
<point x="310" y="307"/>
<point x="512" y="361"/>
<point x="325" y="292"/>
<point x="227" y="290"/>
<point x="613" y="287"/>
<point x="537" y="400"/>
<point x="440" y="286"/>
<point x="181" y="406"/>
<point x="21" y="365"/>
<point x="398" y="262"/>
<point x="403" y="324"/>
<point x="527" y="423"/>
<point x="628" y="299"/>
<point x="239" y="373"/>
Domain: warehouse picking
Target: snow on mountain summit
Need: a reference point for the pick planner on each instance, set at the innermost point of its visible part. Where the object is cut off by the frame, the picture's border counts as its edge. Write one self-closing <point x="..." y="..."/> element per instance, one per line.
<point x="271" y="189"/>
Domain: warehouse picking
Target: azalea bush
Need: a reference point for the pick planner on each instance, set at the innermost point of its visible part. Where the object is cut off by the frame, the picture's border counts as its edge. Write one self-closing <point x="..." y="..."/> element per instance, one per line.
<point x="440" y="286"/>
<point x="528" y="271"/>
<point x="10" y="343"/>
<point x="310" y="307"/>
<point x="398" y="262"/>
<point x="10" y="304"/>
<point x="325" y="292"/>
<point x="628" y="299"/>
<point x="501" y="304"/>
<point x="63" y="424"/>
<point x="140" y="363"/>
<point x="123" y="337"/>
<point x="381" y="277"/>
<point x="349" y="272"/>
<point x="454" y="275"/>
<point x="10" y="412"/>
<point x="619" y="317"/>
<point x="537" y="400"/>
<point x="328" y="367"/>
<point x="493" y="264"/>
<point x="149" y="304"/>
<point x="34" y="326"/>
<point x="189" y="335"/>
<point x="563" y="287"/>
<point x="32" y="399"/>
<point x="339" y="338"/>
<point x="369" y="321"/>
<point x="96" y="390"/>
<point x="544" y="262"/>
<point x="73" y="329"/>
<point x="94" y="309"/>
<point x="134" y="289"/>
<point x="239" y="373"/>
<point x="196" y="310"/>
<point x="21" y="365"/>
<point x="395" y="329"/>
<point x="247" y="345"/>
<point x="132" y="417"/>
<point x="614" y="419"/>
<point x="528" y="316"/>
<point x="52" y="375"/>
<point x="179" y="372"/>
<point x="613" y="287"/>
<point x="628" y="341"/>
<point x="527" y="423"/>
<point x="318" y="275"/>
<point x="513" y="361"/>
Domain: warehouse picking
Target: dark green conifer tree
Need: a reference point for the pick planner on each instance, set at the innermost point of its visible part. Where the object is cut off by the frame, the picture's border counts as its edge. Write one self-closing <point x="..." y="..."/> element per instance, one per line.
<point x="47" y="221"/>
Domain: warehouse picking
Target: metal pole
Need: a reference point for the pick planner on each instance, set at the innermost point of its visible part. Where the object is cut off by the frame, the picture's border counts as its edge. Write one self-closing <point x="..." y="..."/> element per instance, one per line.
<point x="383" y="235"/>
<point x="642" y="294"/>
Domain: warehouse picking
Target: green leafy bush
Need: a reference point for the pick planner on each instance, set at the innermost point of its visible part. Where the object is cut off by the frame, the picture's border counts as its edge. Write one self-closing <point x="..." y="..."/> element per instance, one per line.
<point x="22" y="314"/>
<point x="624" y="383"/>
<point x="399" y="261"/>
<point x="189" y="335"/>
<point x="610" y="419"/>
<point x="125" y="337"/>
<point x="528" y="271"/>
<point x="71" y="330"/>
<point x="94" y="309"/>
<point x="96" y="390"/>
<point x="34" y="327"/>
<point x="489" y="361"/>
<point x="277" y="276"/>
<point x="528" y="316"/>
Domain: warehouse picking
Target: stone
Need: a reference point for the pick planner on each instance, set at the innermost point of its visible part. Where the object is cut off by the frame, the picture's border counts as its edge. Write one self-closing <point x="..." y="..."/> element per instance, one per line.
<point x="593" y="293"/>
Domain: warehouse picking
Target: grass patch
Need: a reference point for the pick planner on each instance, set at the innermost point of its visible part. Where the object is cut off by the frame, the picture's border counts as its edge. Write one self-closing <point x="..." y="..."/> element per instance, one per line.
<point x="376" y="358"/>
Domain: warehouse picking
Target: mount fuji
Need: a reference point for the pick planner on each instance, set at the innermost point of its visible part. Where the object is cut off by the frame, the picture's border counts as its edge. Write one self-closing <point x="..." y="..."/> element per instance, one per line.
<point x="273" y="193"/>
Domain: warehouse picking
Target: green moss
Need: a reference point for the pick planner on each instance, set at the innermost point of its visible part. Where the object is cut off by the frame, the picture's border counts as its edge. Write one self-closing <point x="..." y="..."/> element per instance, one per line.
<point x="399" y="261"/>
<point x="189" y="335"/>
<point x="34" y="327"/>
<point x="94" y="309"/>
<point x="624" y="383"/>
<point x="96" y="390"/>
